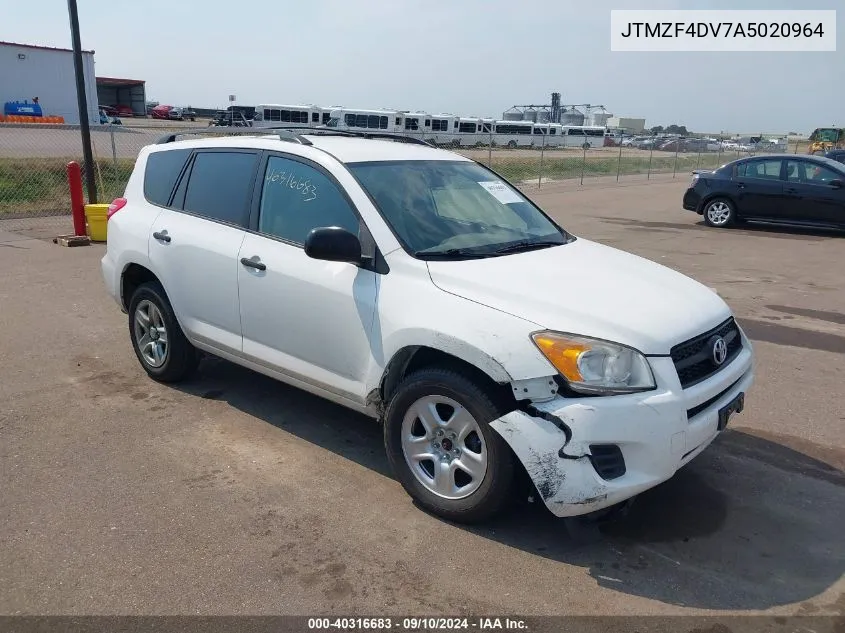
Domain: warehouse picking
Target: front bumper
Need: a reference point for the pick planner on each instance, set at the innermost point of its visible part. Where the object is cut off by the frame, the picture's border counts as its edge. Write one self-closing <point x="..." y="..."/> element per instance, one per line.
<point x="653" y="431"/>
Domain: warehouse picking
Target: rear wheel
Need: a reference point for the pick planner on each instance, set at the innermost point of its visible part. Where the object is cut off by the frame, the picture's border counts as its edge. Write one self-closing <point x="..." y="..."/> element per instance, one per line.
<point x="158" y="341"/>
<point x="720" y="213"/>
<point x="512" y="144"/>
<point x="440" y="445"/>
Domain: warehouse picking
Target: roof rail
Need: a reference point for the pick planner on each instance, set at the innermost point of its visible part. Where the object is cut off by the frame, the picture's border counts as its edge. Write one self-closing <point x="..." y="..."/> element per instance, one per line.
<point x="284" y="134"/>
<point x="293" y="134"/>
<point x="330" y="131"/>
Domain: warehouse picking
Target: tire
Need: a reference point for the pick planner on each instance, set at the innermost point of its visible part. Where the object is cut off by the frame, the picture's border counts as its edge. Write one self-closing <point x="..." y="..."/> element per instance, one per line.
<point x="512" y="144"/>
<point x="719" y="213"/>
<point x="174" y="361"/>
<point x="484" y="495"/>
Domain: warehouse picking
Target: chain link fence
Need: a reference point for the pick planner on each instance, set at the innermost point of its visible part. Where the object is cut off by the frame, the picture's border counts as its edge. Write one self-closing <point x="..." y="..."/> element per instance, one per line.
<point x="33" y="158"/>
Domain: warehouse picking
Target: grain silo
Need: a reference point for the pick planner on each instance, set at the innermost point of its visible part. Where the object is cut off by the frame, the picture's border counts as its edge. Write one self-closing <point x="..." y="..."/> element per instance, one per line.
<point x="573" y="116"/>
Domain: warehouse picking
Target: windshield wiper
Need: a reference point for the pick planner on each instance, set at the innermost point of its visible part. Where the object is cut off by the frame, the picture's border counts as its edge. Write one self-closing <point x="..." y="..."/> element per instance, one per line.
<point x="526" y="245"/>
<point x="450" y="253"/>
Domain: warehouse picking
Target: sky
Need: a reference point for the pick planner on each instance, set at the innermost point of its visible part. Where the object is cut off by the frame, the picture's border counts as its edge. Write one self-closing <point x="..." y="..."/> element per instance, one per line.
<point x="469" y="57"/>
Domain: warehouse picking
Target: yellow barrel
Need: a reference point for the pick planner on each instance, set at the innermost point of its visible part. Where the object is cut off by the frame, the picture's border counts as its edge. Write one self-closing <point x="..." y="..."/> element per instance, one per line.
<point x="96" y="221"/>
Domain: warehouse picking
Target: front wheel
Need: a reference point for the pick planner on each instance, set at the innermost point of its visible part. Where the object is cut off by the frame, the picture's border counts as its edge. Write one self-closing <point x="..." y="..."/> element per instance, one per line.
<point x="442" y="449"/>
<point x="719" y="213"/>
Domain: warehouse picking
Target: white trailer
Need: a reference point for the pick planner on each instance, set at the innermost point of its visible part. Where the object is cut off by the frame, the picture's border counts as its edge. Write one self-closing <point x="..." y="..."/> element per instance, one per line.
<point x="584" y="135"/>
<point x="548" y="135"/>
<point x="277" y="115"/>
<point x="513" y="133"/>
<point x="366" y="120"/>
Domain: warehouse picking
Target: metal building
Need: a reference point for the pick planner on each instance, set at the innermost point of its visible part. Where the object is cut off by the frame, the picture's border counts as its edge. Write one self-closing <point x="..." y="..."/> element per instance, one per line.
<point x="123" y="93"/>
<point x="28" y="71"/>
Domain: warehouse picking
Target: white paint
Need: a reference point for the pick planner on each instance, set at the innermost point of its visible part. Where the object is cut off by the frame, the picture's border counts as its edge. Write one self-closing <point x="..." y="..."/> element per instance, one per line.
<point x="332" y="328"/>
<point x="644" y="426"/>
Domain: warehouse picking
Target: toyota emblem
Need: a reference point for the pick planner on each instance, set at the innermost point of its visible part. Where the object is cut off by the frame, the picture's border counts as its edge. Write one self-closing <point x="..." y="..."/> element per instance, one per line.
<point x="720" y="351"/>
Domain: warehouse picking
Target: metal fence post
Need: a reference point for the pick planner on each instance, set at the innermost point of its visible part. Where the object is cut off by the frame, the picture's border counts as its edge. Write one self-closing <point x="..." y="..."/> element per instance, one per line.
<point x="677" y="149"/>
<point x="650" y="154"/>
<point x="490" y="148"/>
<point x="619" y="160"/>
<point x="583" y="161"/>
<point x="542" y="154"/>
<point x="698" y="160"/>
<point x="113" y="147"/>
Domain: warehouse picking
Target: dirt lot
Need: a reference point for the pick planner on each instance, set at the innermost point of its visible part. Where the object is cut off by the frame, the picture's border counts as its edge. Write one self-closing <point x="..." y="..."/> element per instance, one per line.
<point x="236" y="494"/>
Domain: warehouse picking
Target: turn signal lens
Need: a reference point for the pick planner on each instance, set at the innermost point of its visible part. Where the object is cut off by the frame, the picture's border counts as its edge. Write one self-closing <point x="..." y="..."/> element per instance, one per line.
<point x="594" y="366"/>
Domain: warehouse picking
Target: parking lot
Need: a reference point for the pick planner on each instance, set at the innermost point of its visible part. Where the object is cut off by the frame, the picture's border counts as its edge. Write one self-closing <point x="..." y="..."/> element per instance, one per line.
<point x="235" y="494"/>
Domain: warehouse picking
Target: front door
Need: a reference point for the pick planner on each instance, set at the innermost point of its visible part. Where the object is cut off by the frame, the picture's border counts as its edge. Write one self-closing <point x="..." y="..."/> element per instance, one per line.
<point x="810" y="195"/>
<point x="307" y="318"/>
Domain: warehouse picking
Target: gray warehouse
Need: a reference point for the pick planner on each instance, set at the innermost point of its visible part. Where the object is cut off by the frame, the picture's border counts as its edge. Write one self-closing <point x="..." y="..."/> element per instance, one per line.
<point x="28" y="71"/>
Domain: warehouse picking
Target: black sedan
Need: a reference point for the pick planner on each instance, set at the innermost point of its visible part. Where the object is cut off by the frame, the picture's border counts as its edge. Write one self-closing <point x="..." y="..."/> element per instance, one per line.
<point x="791" y="189"/>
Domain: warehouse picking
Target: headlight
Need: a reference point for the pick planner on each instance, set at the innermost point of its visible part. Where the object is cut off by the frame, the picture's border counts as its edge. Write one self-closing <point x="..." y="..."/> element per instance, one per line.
<point x="592" y="366"/>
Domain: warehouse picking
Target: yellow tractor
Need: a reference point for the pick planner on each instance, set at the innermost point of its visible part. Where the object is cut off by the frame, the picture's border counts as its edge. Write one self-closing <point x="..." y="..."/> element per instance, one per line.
<point x="824" y="139"/>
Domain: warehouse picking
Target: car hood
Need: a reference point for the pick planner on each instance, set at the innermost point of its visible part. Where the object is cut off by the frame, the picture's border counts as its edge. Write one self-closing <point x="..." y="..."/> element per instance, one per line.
<point x="589" y="289"/>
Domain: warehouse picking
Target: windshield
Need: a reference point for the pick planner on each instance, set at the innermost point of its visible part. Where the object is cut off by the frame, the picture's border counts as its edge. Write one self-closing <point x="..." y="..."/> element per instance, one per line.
<point x="455" y="209"/>
<point x="826" y="135"/>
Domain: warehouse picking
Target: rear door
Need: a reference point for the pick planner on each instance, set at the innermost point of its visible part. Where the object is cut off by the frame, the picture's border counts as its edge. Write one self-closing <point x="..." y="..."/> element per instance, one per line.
<point x="194" y="245"/>
<point x="758" y="188"/>
<point x="810" y="195"/>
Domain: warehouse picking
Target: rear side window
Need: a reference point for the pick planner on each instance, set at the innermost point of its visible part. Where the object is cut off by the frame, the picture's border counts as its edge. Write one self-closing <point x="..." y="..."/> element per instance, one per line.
<point x="161" y="174"/>
<point x="220" y="186"/>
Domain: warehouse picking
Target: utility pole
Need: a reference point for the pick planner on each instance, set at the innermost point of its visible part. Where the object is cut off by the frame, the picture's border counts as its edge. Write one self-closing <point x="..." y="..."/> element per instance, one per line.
<point x="82" y="102"/>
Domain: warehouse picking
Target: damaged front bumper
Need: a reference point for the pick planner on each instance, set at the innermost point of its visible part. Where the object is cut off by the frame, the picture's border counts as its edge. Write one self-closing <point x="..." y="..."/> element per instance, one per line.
<point x="648" y="436"/>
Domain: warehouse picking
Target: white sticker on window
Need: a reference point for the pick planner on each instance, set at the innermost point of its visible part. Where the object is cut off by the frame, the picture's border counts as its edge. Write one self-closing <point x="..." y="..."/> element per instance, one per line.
<point x="501" y="191"/>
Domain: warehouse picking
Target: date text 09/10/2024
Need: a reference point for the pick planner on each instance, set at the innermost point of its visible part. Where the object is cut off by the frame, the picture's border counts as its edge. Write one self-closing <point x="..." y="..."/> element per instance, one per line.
<point x="417" y="624"/>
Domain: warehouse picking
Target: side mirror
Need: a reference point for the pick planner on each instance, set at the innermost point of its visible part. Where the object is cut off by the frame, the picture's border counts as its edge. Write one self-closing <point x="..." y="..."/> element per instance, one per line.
<point x="333" y="244"/>
<point x="836" y="183"/>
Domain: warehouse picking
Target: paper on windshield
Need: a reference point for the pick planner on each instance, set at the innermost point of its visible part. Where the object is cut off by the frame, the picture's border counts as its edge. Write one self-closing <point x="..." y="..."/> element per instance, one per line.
<point x="500" y="191"/>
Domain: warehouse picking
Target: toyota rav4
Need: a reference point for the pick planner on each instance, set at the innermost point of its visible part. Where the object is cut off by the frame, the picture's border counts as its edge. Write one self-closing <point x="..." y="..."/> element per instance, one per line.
<point x="421" y="288"/>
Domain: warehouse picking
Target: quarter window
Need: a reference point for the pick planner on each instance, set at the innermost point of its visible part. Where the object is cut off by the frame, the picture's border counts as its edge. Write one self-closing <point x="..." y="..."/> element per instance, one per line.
<point x="162" y="171"/>
<point x="220" y="186"/>
<point x="297" y="198"/>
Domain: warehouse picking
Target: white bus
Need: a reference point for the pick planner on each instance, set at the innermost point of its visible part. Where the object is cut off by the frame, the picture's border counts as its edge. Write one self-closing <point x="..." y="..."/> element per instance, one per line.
<point x="276" y="115"/>
<point x="513" y="133"/>
<point x="553" y="133"/>
<point x="366" y="120"/>
<point x="579" y="135"/>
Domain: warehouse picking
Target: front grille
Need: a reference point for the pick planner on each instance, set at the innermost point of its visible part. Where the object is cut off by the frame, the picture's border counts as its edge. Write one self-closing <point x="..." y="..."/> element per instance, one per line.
<point x="607" y="460"/>
<point x="694" y="359"/>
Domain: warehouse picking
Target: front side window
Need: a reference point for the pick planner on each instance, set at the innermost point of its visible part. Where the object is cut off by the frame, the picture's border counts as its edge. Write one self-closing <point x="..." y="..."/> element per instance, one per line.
<point x="297" y="198"/>
<point x="442" y="209"/>
<point x="819" y="174"/>
<point x="220" y="186"/>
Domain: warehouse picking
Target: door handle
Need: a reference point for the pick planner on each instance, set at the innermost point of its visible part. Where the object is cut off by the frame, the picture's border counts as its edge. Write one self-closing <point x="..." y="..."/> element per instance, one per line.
<point x="161" y="236"/>
<point x="740" y="185"/>
<point x="251" y="263"/>
<point x="790" y="190"/>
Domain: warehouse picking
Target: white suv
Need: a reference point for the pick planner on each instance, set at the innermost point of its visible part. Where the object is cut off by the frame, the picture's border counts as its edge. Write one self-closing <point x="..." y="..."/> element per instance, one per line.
<point x="419" y="287"/>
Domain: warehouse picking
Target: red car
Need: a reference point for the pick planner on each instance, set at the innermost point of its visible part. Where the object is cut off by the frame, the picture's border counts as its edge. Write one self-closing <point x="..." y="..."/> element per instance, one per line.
<point x="124" y="110"/>
<point x="161" y="112"/>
